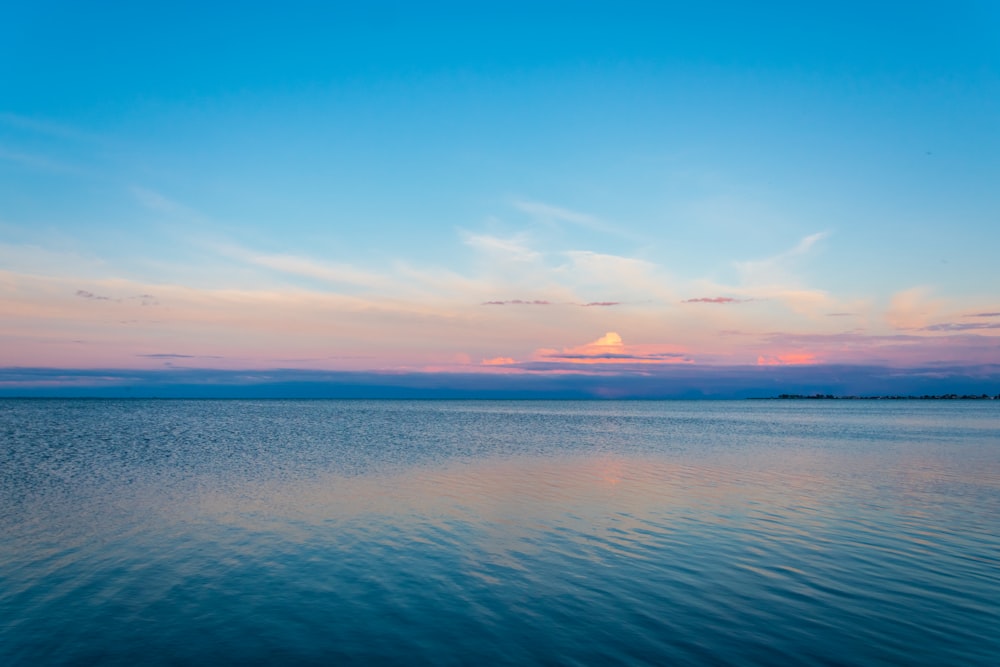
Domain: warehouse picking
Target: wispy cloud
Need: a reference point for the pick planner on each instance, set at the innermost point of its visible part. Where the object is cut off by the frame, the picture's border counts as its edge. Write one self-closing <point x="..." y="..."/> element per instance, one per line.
<point x="46" y="127"/>
<point x="806" y="244"/>
<point x="961" y="326"/>
<point x="775" y="270"/>
<point x="511" y="248"/>
<point x="145" y="299"/>
<point x="913" y="308"/>
<point x="615" y="275"/>
<point x="716" y="299"/>
<point x="549" y="214"/>
<point x="518" y="302"/>
<point x="170" y="355"/>
<point x="156" y="201"/>
<point x="36" y="161"/>
<point x="310" y="268"/>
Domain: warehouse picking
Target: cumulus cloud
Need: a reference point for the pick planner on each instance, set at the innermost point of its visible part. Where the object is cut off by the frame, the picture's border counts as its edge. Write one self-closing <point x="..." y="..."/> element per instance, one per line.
<point x="611" y="349"/>
<point x="610" y="339"/>
<point x="607" y="355"/>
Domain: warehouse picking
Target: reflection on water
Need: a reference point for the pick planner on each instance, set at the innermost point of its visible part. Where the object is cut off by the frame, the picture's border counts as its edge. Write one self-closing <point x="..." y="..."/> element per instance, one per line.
<point x="507" y="532"/>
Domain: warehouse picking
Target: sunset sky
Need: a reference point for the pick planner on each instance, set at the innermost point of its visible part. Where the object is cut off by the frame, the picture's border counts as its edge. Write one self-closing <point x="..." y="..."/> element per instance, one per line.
<point x="620" y="191"/>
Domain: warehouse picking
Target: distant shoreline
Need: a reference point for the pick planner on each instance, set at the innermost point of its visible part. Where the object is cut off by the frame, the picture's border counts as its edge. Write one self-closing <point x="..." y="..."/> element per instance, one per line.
<point x="925" y="397"/>
<point x="433" y="399"/>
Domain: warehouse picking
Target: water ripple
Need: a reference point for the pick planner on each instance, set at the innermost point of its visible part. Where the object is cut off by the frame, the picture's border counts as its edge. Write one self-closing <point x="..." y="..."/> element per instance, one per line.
<point x="320" y="532"/>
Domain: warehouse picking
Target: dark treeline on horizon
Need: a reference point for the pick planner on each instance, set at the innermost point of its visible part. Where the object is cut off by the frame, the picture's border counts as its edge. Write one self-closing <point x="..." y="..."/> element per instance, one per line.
<point x="925" y="397"/>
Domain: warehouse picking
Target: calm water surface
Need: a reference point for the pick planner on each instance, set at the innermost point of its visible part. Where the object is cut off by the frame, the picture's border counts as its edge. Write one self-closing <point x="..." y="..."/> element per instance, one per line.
<point x="460" y="533"/>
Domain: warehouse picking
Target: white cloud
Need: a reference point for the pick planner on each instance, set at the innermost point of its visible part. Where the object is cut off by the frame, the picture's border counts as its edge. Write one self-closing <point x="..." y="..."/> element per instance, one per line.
<point x="616" y="277"/>
<point x="302" y="266"/>
<point x="777" y="269"/>
<point x="514" y="248"/>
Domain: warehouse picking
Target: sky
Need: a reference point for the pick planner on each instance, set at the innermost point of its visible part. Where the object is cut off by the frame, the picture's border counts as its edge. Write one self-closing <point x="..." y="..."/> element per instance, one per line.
<point x="559" y="198"/>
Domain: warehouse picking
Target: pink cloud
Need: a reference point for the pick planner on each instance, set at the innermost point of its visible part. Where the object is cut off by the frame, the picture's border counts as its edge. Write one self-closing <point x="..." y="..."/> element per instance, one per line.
<point x="896" y="350"/>
<point x="787" y="359"/>
<point x="499" y="361"/>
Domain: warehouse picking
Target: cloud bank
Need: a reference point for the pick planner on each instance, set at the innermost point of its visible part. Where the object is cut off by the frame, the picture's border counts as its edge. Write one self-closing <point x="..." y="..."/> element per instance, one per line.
<point x="668" y="381"/>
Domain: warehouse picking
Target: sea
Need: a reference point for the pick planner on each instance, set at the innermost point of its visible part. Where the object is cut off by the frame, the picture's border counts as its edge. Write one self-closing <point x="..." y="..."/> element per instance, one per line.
<point x="341" y="532"/>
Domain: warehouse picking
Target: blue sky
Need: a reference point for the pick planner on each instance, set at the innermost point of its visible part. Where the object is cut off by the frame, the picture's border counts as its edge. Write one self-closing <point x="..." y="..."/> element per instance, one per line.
<point x="324" y="185"/>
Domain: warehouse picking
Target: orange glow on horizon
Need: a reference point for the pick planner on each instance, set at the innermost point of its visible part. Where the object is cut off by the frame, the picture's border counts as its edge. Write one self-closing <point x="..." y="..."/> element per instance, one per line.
<point x="498" y="361"/>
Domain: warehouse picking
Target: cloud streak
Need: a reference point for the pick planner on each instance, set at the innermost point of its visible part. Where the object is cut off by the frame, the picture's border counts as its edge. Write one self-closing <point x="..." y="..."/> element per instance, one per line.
<point x="542" y="302"/>
<point x="86" y="294"/>
<point x="716" y="299"/>
<point x="517" y="302"/>
<point x="961" y="326"/>
<point x="775" y="270"/>
<point x="170" y="355"/>
<point x="549" y="214"/>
